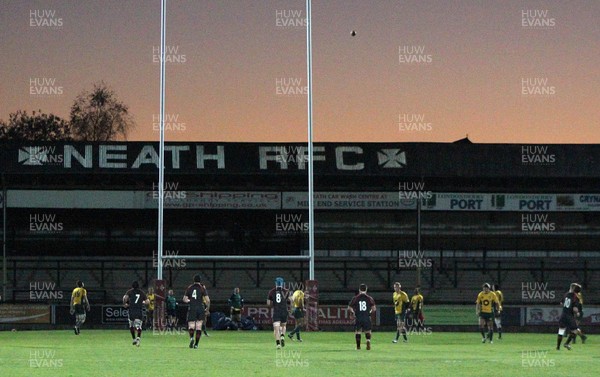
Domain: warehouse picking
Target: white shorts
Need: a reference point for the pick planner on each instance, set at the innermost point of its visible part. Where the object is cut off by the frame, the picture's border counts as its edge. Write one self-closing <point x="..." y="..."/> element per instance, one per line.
<point x="137" y="323"/>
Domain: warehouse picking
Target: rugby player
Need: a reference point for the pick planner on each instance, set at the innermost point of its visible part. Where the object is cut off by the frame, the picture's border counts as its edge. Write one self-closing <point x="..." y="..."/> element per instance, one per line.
<point x="134" y="300"/>
<point x="400" y="300"/>
<point x="567" y="321"/>
<point x="298" y="313"/>
<point x="362" y="305"/>
<point x="485" y="302"/>
<point x="278" y="300"/>
<point x="199" y="302"/>
<point x="79" y="305"/>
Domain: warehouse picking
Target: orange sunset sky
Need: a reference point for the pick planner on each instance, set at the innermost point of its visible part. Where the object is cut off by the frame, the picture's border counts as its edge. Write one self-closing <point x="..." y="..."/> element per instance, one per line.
<point x="499" y="71"/>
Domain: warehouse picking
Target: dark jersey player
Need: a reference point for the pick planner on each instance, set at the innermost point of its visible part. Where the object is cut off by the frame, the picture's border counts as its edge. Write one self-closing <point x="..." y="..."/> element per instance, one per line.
<point x="134" y="300"/>
<point x="567" y="321"/>
<point x="278" y="300"/>
<point x="199" y="302"/>
<point x="362" y="305"/>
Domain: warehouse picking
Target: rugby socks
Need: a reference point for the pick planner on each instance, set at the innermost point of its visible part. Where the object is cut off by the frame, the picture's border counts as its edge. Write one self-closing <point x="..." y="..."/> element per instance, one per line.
<point x="570" y="339"/>
<point x="559" y="341"/>
<point x="198" y="335"/>
<point x="139" y="333"/>
<point x="482" y="329"/>
<point x="368" y="336"/>
<point x="500" y="332"/>
<point x="132" y="331"/>
<point x="357" y="336"/>
<point x="191" y="332"/>
<point x="397" y="334"/>
<point x="296" y="331"/>
<point x="403" y="334"/>
<point x="491" y="335"/>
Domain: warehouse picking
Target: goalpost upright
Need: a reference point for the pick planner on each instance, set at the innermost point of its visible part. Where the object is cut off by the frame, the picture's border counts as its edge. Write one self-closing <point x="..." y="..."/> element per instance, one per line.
<point x="311" y="252"/>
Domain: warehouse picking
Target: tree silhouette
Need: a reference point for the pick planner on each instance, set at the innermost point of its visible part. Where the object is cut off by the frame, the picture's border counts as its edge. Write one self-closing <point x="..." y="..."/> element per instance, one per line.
<point x="98" y="115"/>
<point x="36" y="127"/>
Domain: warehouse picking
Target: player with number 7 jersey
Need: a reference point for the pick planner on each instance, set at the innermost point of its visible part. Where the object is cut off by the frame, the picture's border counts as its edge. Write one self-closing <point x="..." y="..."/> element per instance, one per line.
<point x="134" y="300"/>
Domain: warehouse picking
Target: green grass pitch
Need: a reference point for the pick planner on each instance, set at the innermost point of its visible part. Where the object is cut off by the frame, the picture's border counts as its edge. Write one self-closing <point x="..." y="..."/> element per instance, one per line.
<point x="97" y="353"/>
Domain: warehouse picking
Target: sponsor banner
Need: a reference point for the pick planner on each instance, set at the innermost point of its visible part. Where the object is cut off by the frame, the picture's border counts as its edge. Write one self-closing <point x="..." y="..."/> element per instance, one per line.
<point x="453" y="201"/>
<point x="578" y="202"/>
<point x="337" y="315"/>
<point x="550" y="315"/>
<point x="348" y="200"/>
<point x="215" y="199"/>
<point x="328" y="315"/>
<point x="261" y="314"/>
<point x="24" y="313"/>
<point x="456" y="202"/>
<point x="528" y="202"/>
<point x="114" y="314"/>
<point x="88" y="199"/>
<point x="312" y="305"/>
<point x="177" y="197"/>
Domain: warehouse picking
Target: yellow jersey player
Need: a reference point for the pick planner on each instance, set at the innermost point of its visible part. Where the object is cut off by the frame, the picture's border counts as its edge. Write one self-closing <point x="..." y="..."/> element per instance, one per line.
<point x="416" y="309"/>
<point x="498" y="312"/>
<point x="485" y="302"/>
<point x="298" y="313"/>
<point x="79" y="301"/>
<point x="150" y="308"/>
<point x="400" y="299"/>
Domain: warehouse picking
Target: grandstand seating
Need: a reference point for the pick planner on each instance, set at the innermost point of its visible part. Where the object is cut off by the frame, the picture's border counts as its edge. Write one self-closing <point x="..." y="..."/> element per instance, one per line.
<point x="451" y="279"/>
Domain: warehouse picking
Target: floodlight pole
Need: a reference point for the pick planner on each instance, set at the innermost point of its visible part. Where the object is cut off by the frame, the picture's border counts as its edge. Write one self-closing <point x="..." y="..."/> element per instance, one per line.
<point x="311" y="209"/>
<point x="161" y="148"/>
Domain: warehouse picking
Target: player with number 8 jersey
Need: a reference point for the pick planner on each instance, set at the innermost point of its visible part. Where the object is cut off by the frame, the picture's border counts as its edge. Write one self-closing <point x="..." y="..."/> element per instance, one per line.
<point x="278" y="299"/>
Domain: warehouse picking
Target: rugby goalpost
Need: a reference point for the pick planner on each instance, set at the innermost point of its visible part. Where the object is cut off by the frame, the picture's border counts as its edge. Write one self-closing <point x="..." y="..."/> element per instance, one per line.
<point x="159" y="283"/>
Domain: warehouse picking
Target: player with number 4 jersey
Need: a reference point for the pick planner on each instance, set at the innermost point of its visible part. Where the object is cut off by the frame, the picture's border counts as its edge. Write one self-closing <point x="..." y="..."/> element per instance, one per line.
<point x="197" y="298"/>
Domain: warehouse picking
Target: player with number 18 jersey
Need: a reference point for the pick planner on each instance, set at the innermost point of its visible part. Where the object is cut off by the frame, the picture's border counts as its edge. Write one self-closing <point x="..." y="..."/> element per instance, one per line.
<point x="362" y="305"/>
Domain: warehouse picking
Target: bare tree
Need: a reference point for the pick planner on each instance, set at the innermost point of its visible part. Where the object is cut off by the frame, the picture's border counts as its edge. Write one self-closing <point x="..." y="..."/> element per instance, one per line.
<point x="98" y="115"/>
<point x="35" y="127"/>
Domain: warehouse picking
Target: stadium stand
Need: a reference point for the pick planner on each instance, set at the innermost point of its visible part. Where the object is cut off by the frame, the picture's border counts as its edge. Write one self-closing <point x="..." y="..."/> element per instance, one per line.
<point x="104" y="218"/>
